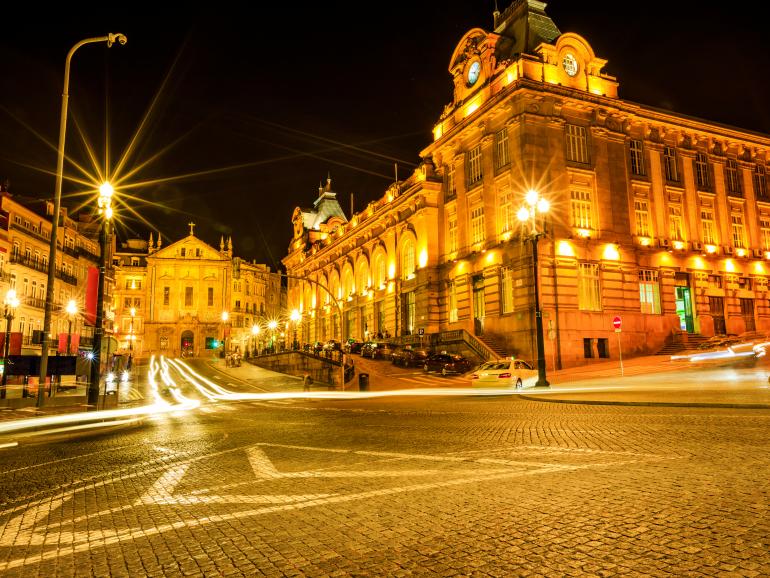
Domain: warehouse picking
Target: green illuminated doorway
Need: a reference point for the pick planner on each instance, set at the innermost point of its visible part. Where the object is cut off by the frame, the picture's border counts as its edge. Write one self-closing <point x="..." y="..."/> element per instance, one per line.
<point x="684" y="309"/>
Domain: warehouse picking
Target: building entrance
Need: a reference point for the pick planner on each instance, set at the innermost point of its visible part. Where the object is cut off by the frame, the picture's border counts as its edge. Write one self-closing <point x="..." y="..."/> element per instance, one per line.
<point x="684" y="309"/>
<point x="478" y="304"/>
<point x="187" y="344"/>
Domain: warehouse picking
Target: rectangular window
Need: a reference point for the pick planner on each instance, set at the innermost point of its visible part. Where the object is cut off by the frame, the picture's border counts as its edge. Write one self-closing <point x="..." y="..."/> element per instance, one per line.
<point x="636" y="151"/>
<point x="137" y="303"/>
<point x="127" y="303"/>
<point x="589" y="290"/>
<point x="764" y="228"/>
<point x="409" y="312"/>
<point x="507" y="216"/>
<point x="670" y="164"/>
<point x="760" y="182"/>
<point x="642" y="215"/>
<point x="210" y="297"/>
<point x="577" y="144"/>
<point x="188" y="296"/>
<point x="452" y="294"/>
<point x="451" y="188"/>
<point x="675" y="223"/>
<point x="715" y="281"/>
<point x="702" y="172"/>
<point x="588" y="347"/>
<point x="506" y="288"/>
<point x="649" y="291"/>
<point x="166" y="296"/>
<point x="707" y="222"/>
<point x="603" y="347"/>
<point x="580" y="204"/>
<point x="501" y="149"/>
<point x="732" y="177"/>
<point x="452" y="244"/>
<point x="739" y="233"/>
<point x="474" y="166"/>
<point x="477" y="225"/>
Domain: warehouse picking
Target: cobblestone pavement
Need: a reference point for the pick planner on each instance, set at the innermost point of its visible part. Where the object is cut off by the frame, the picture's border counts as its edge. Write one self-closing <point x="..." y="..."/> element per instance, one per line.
<point x="443" y="486"/>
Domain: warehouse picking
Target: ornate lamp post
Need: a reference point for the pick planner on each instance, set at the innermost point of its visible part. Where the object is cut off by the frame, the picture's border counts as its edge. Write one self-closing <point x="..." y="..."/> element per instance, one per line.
<point x="272" y="325"/>
<point x="536" y="205"/>
<point x="131" y="332"/>
<point x="105" y="210"/>
<point x="254" y="333"/>
<point x="72" y="310"/>
<point x="110" y="39"/>
<point x="11" y="303"/>
<point x="295" y="318"/>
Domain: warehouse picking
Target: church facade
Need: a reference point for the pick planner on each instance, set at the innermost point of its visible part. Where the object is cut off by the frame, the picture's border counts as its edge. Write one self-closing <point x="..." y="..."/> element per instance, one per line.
<point x="170" y="299"/>
<point x="656" y="218"/>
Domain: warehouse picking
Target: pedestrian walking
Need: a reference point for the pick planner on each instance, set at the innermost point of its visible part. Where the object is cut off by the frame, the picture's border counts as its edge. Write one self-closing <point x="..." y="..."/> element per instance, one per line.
<point x="306" y="382"/>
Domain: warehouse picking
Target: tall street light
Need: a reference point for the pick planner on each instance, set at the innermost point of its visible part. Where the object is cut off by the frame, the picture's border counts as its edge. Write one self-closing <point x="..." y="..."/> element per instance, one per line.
<point x="11" y="303"/>
<point x="110" y="39"/>
<point x="536" y="205"/>
<point x="254" y="333"/>
<point x="105" y="211"/>
<point x="131" y="332"/>
<point x="272" y="325"/>
<point x="225" y="317"/>
<point x="72" y="310"/>
<point x="295" y="317"/>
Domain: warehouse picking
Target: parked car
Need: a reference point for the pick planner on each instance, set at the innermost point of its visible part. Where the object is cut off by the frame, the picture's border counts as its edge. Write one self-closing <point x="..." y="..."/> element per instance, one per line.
<point x="505" y="372"/>
<point x="366" y="348"/>
<point x="410" y="357"/>
<point x="353" y="346"/>
<point x="447" y="363"/>
<point x="332" y="345"/>
<point x="381" y="350"/>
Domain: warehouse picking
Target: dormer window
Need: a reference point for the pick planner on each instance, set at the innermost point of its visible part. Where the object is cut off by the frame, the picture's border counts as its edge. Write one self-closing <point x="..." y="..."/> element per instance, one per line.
<point x="184" y="251"/>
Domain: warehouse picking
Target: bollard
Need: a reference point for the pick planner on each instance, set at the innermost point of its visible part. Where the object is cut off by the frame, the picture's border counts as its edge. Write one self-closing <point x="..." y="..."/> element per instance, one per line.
<point x="363" y="382"/>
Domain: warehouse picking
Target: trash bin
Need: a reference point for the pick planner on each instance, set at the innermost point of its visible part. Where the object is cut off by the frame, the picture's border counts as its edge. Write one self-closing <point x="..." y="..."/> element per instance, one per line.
<point x="363" y="381"/>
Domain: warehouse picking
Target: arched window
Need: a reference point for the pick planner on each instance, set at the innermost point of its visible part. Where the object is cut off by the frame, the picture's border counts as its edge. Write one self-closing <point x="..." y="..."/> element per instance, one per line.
<point x="380" y="270"/>
<point x="334" y="285"/>
<point x="362" y="275"/>
<point x="347" y="283"/>
<point x="408" y="259"/>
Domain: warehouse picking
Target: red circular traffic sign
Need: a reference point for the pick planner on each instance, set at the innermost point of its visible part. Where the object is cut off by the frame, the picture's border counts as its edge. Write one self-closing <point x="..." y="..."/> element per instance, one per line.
<point x="616" y="322"/>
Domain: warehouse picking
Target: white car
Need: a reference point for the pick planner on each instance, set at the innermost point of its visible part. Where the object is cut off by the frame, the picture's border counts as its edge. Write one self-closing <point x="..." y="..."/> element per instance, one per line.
<point x="505" y="372"/>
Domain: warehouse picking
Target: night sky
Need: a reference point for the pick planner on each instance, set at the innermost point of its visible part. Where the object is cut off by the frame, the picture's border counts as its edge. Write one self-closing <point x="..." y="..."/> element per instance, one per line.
<point x="272" y="103"/>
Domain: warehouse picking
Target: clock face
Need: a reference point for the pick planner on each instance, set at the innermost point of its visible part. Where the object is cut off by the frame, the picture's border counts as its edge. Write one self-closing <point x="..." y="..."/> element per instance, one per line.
<point x="473" y="72"/>
<point x="570" y="64"/>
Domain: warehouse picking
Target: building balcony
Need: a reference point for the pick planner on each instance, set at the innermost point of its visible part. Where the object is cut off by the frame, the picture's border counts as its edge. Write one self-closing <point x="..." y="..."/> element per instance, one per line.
<point x="34" y="302"/>
<point x="83" y="252"/>
<point x="29" y="262"/>
<point x="66" y="277"/>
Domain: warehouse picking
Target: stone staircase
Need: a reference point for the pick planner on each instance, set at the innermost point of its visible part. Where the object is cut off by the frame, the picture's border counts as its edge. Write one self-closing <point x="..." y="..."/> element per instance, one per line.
<point x="493" y="345"/>
<point x="679" y="342"/>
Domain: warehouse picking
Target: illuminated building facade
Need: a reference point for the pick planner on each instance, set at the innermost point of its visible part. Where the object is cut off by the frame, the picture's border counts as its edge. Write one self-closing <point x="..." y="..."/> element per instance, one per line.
<point x="655" y="217"/>
<point x="169" y="299"/>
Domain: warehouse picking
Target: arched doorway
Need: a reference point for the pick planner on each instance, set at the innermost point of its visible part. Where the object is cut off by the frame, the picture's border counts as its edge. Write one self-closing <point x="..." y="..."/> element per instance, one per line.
<point x="187" y="345"/>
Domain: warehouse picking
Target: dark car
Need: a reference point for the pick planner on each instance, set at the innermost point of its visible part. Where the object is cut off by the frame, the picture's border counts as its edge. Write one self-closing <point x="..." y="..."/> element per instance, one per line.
<point x="366" y="348"/>
<point x="447" y="363"/>
<point x="353" y="346"/>
<point x="410" y="357"/>
<point x="379" y="350"/>
<point x="332" y="345"/>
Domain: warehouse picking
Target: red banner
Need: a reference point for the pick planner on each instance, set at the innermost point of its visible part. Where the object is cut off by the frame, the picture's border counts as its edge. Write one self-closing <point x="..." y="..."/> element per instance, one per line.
<point x="15" y="347"/>
<point x="92" y="288"/>
<point x="74" y="342"/>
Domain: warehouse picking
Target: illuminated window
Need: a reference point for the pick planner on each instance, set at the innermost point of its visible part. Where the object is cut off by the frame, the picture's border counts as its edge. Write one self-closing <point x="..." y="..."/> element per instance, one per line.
<point x="477" y="225"/>
<point x="707" y="222"/>
<point x="577" y="144"/>
<point x="452" y="294"/>
<point x="760" y="182"/>
<point x="451" y="187"/>
<point x="409" y="310"/>
<point x="347" y="283"/>
<point x="452" y="244"/>
<point x="507" y="215"/>
<point x="675" y="223"/>
<point x="166" y="295"/>
<point x="702" y="172"/>
<point x="649" y="291"/>
<point x="764" y="228"/>
<point x="474" y="166"/>
<point x="380" y="270"/>
<point x="739" y="233"/>
<point x="589" y="289"/>
<point x="670" y="164"/>
<point x="506" y="289"/>
<point x="363" y="276"/>
<point x="408" y="260"/>
<point x="642" y="215"/>
<point x="502" y="157"/>
<point x="732" y="177"/>
<point x="636" y="151"/>
<point x="580" y="204"/>
<point x="715" y="281"/>
<point x="188" y="296"/>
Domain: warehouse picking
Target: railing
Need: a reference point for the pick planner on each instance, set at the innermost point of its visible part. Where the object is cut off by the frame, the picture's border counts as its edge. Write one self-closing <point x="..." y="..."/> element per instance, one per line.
<point x="35" y="302"/>
<point x="31" y="232"/>
<point x="459" y="335"/>
<point x="66" y="277"/>
<point x="83" y="252"/>
<point x="35" y="264"/>
<point x="70" y="250"/>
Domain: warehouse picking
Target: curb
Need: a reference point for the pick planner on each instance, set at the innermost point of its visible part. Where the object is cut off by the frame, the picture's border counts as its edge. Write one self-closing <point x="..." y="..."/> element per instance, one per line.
<point x="650" y="403"/>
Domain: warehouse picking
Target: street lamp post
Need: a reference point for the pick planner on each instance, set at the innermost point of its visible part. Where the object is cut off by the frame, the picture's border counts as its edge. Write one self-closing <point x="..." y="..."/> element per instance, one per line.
<point x="254" y="333"/>
<point x="72" y="310"/>
<point x="110" y="39"/>
<point x="272" y="325"/>
<point x="131" y="332"/>
<point x="225" y="317"/>
<point x="536" y="205"/>
<point x="11" y="303"/>
<point x="295" y="317"/>
<point x="105" y="210"/>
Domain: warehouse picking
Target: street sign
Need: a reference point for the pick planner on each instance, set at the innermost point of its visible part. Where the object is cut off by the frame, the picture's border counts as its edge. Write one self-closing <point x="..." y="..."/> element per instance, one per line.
<point x="616" y="322"/>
